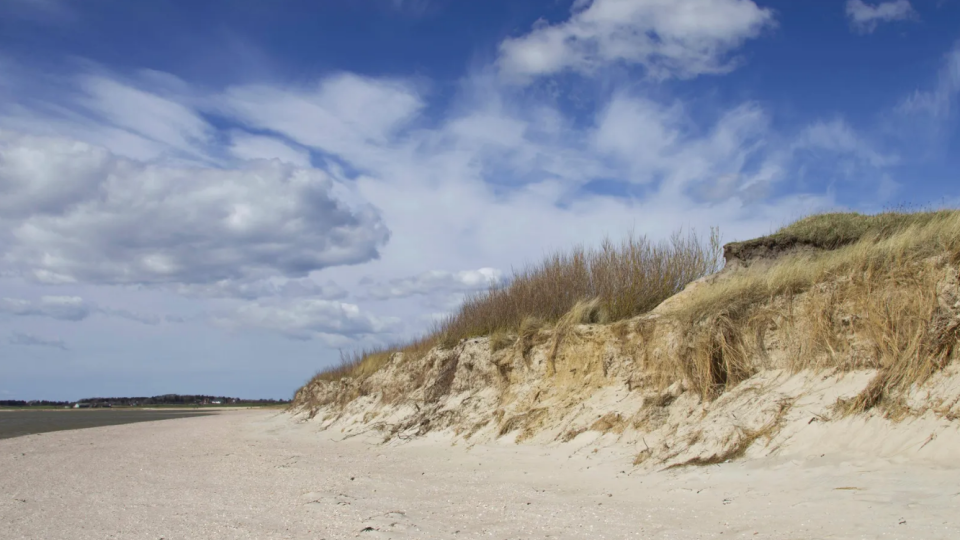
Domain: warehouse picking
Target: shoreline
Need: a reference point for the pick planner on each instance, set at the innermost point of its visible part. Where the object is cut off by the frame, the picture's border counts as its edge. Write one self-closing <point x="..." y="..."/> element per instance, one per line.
<point x="260" y="474"/>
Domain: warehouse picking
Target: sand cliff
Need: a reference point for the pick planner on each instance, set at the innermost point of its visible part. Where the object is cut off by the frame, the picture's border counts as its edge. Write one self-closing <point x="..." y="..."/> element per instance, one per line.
<point x="861" y="359"/>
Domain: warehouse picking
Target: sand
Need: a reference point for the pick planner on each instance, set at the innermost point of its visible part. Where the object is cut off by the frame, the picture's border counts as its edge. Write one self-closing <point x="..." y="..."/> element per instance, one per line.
<point x="259" y="474"/>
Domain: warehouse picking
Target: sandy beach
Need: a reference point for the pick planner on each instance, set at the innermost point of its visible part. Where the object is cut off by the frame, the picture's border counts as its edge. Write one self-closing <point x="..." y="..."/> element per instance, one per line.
<point x="258" y="474"/>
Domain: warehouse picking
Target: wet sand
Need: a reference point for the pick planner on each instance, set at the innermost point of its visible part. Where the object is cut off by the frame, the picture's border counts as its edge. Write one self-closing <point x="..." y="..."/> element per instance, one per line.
<point x="17" y="423"/>
<point x="257" y="474"/>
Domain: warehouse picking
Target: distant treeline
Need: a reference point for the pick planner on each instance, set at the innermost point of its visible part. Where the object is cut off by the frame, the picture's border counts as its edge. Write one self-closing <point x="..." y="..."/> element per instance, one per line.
<point x="35" y="403"/>
<point x="167" y="399"/>
<point x="175" y="399"/>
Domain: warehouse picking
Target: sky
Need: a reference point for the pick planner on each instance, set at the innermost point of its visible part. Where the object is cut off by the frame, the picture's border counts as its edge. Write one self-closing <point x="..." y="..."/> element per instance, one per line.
<point x="219" y="197"/>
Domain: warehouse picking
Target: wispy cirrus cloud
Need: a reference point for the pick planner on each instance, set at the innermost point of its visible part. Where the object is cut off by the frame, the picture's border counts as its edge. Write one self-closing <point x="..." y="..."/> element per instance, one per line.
<point x="65" y="308"/>
<point x="436" y="281"/>
<point x="70" y="308"/>
<point x="938" y="102"/>
<point x="31" y="340"/>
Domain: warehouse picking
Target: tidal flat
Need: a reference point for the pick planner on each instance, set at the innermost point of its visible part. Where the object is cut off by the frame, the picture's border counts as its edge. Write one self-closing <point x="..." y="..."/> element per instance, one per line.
<point x="17" y="423"/>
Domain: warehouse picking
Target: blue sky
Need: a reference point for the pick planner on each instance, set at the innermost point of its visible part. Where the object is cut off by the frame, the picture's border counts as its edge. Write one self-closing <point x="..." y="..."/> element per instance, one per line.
<point x="218" y="196"/>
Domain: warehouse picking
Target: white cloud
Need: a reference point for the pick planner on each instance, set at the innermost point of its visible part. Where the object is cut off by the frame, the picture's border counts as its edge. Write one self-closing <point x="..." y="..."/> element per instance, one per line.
<point x="20" y="338"/>
<point x="671" y="38"/>
<point x="342" y="115"/>
<point x="938" y="102"/>
<point x="307" y="318"/>
<point x="865" y="17"/>
<point x="498" y="180"/>
<point x="245" y="146"/>
<point x="142" y="318"/>
<point x="838" y="137"/>
<point x="66" y="308"/>
<point x="69" y="308"/>
<point x="272" y="287"/>
<point x="437" y="281"/>
<point x="76" y="213"/>
<point x="655" y="144"/>
<point x="94" y="108"/>
<point x="148" y="115"/>
<point x="48" y="176"/>
<point x="639" y="132"/>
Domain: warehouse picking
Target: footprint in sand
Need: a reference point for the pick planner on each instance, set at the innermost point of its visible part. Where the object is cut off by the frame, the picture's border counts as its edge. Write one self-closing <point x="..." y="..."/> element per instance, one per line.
<point x="394" y="524"/>
<point x="318" y="497"/>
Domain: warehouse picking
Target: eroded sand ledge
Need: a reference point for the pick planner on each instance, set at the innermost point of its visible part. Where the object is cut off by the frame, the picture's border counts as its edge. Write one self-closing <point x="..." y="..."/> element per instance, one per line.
<point x="259" y="474"/>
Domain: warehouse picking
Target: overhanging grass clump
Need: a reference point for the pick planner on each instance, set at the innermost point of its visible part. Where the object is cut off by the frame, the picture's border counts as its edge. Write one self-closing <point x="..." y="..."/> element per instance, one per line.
<point x="848" y="244"/>
<point x="618" y="281"/>
<point x="831" y="231"/>
<point x="879" y="283"/>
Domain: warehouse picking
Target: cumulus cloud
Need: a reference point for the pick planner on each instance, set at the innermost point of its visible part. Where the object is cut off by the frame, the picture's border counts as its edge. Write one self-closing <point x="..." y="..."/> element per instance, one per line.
<point x="19" y="338"/>
<point x="437" y="281"/>
<point x="866" y="17"/>
<point x="306" y="318"/>
<point x="76" y="213"/>
<point x="670" y="38"/>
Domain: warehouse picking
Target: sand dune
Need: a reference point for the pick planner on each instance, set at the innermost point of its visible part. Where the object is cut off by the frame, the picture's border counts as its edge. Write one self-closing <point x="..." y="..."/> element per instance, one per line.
<point x="259" y="474"/>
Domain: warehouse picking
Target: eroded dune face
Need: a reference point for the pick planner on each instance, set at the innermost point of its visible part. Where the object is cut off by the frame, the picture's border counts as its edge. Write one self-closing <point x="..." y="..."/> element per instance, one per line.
<point x="708" y="376"/>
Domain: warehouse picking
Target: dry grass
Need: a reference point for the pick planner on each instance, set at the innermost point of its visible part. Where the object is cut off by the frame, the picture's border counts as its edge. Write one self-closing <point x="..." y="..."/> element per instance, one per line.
<point x="610" y="283"/>
<point x="880" y="287"/>
<point x="745" y="439"/>
<point x="834" y="230"/>
<point x="362" y="364"/>
<point x="625" y="280"/>
<point x="868" y="279"/>
<point x="897" y="238"/>
<point x="500" y="340"/>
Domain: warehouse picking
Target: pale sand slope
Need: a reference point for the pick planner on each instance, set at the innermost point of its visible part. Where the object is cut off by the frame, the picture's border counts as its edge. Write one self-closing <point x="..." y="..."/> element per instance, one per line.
<point x="257" y="474"/>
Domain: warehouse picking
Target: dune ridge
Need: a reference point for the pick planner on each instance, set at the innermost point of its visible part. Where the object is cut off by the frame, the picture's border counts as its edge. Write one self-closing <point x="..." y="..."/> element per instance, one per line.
<point x="838" y="332"/>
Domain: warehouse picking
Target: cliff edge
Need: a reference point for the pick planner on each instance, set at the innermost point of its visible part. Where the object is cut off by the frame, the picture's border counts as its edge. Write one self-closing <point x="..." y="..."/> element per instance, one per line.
<point x="844" y="338"/>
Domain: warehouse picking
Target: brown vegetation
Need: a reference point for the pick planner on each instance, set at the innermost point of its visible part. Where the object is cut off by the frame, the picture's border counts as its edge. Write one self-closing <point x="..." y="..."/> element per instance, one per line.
<point x="865" y="292"/>
<point x="616" y="281"/>
<point x="879" y="282"/>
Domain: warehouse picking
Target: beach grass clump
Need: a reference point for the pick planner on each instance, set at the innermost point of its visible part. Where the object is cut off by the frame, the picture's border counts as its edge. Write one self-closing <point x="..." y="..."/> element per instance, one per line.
<point x="620" y="280"/>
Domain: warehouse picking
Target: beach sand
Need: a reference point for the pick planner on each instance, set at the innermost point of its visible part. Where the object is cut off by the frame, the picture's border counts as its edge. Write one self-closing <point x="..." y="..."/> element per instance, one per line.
<point x="258" y="474"/>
